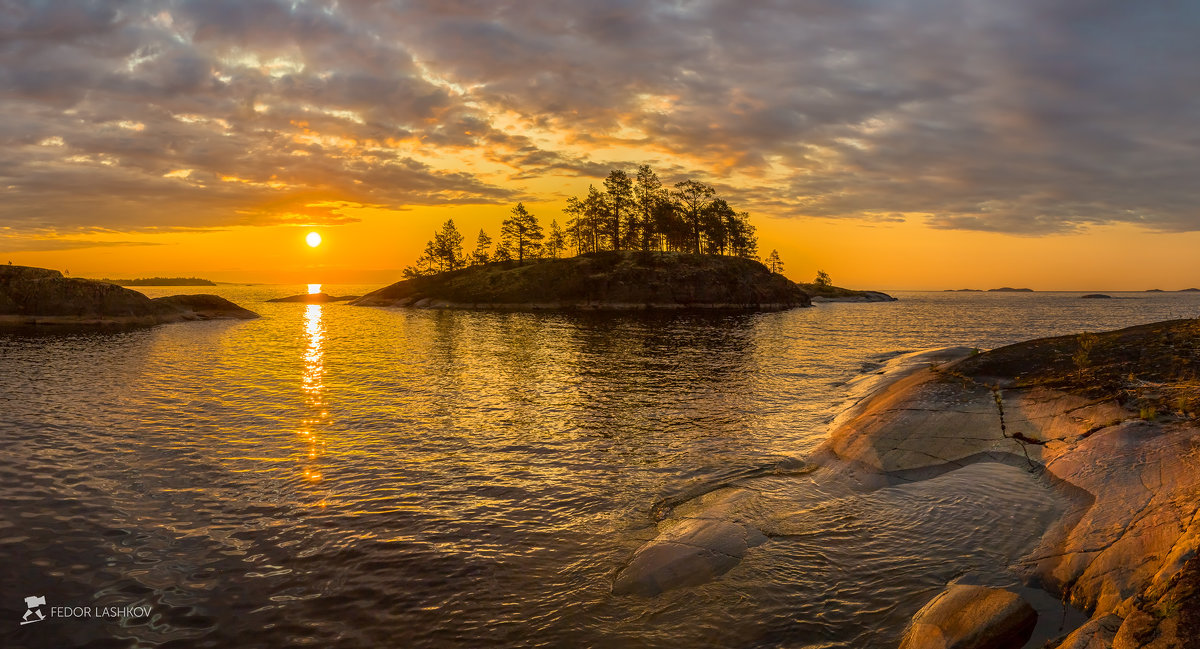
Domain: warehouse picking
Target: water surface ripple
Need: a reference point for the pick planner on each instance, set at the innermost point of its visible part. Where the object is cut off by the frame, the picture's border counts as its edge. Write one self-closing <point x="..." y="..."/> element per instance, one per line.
<point x="349" y="477"/>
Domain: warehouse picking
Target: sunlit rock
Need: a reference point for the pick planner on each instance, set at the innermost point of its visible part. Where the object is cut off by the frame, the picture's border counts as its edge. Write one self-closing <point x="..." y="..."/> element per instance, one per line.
<point x="971" y="617"/>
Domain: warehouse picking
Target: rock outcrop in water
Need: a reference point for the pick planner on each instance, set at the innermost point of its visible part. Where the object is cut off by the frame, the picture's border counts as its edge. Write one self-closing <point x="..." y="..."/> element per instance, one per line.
<point x="37" y="296"/>
<point x="971" y="617"/>
<point x="314" y="298"/>
<point x="605" y="280"/>
<point x="1110" y="420"/>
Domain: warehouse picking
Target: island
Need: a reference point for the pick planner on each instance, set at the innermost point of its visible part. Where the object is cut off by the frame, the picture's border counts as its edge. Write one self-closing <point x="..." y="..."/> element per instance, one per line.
<point x="1096" y="296"/>
<point x="606" y="280"/>
<point x="1009" y="289"/>
<point x="830" y="293"/>
<point x="1107" y="424"/>
<point x="32" y="296"/>
<point x="161" y="281"/>
<point x="314" y="298"/>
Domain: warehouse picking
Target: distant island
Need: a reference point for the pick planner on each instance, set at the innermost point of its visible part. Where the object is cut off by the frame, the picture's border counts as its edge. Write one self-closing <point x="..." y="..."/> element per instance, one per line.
<point x="39" y="296"/>
<point x="1096" y="296"/>
<point x="161" y="281"/>
<point x="314" y="298"/>
<point x="1007" y="289"/>
<point x="964" y="290"/>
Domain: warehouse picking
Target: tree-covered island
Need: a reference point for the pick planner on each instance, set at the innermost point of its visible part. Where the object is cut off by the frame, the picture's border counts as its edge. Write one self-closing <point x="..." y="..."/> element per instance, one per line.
<point x="636" y="244"/>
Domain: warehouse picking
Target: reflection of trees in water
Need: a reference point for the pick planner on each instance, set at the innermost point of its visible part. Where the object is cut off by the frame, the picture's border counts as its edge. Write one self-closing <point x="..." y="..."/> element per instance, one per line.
<point x="632" y="376"/>
<point x="651" y="374"/>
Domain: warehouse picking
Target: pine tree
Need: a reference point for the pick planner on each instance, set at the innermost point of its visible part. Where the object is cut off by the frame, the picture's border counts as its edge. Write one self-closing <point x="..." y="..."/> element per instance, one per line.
<point x="447" y="247"/>
<point x="774" y="263"/>
<point x="521" y="233"/>
<point x="693" y="199"/>
<point x="618" y="198"/>
<point x="482" y="244"/>
<point x="555" y="242"/>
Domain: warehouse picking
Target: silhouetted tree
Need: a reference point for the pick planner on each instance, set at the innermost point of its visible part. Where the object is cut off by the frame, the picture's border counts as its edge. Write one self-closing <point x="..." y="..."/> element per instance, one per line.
<point x="447" y="247"/>
<point x="823" y="280"/>
<point x="692" y="199"/>
<point x="521" y="233"/>
<point x="556" y="241"/>
<point x="424" y="264"/>
<point x="742" y="240"/>
<point x="618" y="201"/>
<point x="774" y="263"/>
<point x="652" y="206"/>
<point x="483" y="243"/>
<point x="586" y="227"/>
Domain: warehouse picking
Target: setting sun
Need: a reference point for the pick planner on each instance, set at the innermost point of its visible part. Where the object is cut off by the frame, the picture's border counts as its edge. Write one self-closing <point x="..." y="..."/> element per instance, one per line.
<point x="313" y="239"/>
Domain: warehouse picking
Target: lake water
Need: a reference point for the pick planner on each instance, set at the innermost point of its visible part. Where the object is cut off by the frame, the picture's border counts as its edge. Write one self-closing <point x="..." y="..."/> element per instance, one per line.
<point x="343" y="476"/>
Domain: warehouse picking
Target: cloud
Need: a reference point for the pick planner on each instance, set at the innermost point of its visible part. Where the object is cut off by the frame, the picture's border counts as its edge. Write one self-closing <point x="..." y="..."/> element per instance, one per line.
<point x="1025" y="117"/>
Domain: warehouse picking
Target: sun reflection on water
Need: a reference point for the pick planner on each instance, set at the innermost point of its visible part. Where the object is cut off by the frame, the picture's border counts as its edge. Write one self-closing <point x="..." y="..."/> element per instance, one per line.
<point x="313" y="386"/>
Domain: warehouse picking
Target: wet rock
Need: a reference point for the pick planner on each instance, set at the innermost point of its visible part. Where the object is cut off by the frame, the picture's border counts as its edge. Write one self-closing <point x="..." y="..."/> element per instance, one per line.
<point x="971" y="617"/>
<point x="1121" y="549"/>
<point x="706" y="542"/>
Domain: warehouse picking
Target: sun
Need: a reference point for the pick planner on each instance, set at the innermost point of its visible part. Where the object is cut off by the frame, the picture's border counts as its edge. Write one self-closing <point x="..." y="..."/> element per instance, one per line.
<point x="313" y="239"/>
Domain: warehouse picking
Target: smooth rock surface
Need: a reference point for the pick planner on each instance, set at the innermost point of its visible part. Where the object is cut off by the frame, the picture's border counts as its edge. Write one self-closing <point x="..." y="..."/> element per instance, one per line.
<point x="971" y="617"/>
<point x="1121" y="551"/>
<point x="704" y="543"/>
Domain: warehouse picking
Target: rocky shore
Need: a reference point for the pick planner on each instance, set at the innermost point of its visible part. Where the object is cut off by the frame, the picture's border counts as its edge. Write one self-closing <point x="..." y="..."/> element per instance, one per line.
<point x="38" y="296"/>
<point x="1108" y="422"/>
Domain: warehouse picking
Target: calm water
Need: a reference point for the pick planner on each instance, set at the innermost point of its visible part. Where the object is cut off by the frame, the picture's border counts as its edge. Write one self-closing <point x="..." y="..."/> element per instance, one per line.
<point x="344" y="476"/>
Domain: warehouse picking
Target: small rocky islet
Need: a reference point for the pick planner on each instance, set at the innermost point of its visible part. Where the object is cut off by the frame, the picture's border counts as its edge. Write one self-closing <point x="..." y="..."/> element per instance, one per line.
<point x="314" y="298"/>
<point x="32" y="296"/>
<point x="613" y="280"/>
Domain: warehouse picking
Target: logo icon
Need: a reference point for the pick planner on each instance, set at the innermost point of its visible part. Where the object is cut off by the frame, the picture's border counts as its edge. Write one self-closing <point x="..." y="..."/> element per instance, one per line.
<point x="34" y="613"/>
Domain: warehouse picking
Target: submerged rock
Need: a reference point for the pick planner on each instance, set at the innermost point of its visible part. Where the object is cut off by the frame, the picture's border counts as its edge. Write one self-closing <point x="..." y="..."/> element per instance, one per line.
<point x="971" y="617"/>
<point x="706" y="542"/>
<point x="691" y="553"/>
<point x="1096" y="296"/>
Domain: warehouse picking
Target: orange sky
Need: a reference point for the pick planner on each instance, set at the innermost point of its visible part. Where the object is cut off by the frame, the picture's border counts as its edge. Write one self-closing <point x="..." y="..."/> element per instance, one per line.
<point x="895" y="145"/>
<point x="865" y="255"/>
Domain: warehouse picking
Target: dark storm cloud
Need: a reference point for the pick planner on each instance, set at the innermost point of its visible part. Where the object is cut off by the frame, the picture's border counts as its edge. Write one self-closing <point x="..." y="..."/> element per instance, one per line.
<point x="1026" y="116"/>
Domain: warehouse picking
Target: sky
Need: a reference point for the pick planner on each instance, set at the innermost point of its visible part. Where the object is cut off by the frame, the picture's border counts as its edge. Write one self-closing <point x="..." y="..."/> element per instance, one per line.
<point x="921" y="144"/>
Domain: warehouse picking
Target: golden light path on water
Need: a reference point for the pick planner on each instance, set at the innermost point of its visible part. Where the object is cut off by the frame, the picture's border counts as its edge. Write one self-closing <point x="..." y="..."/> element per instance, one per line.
<point x="312" y="383"/>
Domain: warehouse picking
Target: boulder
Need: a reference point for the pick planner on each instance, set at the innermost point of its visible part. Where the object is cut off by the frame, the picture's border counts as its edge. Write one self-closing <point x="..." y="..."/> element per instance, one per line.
<point x="971" y="617"/>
